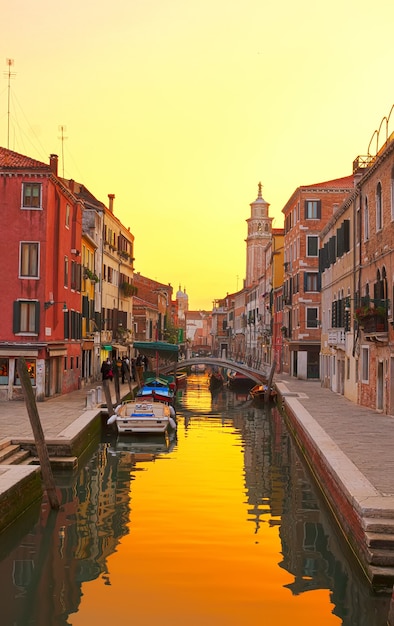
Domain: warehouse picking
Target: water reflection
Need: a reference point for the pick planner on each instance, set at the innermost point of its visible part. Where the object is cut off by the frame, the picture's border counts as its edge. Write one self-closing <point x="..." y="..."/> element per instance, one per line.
<point x="223" y="519"/>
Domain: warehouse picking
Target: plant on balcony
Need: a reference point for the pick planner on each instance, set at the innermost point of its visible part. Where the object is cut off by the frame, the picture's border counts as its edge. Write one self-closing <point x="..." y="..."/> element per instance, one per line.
<point x="91" y="275"/>
<point x="128" y="289"/>
<point x="372" y="319"/>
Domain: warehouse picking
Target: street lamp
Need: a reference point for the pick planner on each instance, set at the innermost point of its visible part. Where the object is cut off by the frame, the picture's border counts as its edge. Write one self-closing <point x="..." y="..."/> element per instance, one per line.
<point x="50" y="303"/>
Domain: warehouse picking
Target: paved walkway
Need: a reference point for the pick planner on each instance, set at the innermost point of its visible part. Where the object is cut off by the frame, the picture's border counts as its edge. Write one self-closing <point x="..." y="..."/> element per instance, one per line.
<point x="56" y="414"/>
<point x="365" y="436"/>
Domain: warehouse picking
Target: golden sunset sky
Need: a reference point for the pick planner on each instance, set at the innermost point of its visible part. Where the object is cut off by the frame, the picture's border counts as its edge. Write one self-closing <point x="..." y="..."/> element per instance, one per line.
<point x="180" y="108"/>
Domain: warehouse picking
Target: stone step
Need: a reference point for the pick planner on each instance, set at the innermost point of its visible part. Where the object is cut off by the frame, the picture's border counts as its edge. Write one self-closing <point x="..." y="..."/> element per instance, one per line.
<point x="379" y="525"/>
<point x="7" y="452"/>
<point x="5" y="442"/>
<point x="380" y="541"/>
<point x="382" y="558"/>
<point x="57" y="462"/>
<point x="20" y="457"/>
<point x="13" y="455"/>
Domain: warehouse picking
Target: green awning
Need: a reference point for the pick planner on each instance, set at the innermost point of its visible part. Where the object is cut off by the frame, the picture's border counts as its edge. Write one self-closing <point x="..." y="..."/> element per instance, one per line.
<point x="162" y="349"/>
<point x="108" y="348"/>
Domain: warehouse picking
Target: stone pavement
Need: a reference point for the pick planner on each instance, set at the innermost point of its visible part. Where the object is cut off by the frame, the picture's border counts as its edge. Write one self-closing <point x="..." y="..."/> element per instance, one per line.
<point x="56" y="414"/>
<point x="365" y="436"/>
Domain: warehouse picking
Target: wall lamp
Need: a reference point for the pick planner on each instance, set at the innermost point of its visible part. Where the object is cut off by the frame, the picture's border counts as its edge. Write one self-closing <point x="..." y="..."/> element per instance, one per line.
<point x="50" y="303"/>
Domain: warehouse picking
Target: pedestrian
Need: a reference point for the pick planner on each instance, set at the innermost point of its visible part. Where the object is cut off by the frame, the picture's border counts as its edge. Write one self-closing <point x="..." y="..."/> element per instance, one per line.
<point x="125" y="369"/>
<point x="106" y="370"/>
<point x="133" y="373"/>
<point x="139" y="363"/>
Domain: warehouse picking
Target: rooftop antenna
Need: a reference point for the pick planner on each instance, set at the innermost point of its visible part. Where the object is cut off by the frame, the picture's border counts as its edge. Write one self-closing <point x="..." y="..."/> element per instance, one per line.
<point x="62" y="138"/>
<point x="9" y="75"/>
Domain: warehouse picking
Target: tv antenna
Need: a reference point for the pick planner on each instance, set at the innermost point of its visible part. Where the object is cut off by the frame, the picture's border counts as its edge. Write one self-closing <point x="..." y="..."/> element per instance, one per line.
<point x="62" y="138"/>
<point x="9" y="75"/>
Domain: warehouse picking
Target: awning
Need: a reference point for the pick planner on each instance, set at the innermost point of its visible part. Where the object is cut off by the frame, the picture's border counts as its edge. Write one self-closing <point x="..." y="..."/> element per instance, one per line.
<point x="57" y="351"/>
<point x="162" y="349"/>
<point x="87" y="344"/>
<point x="119" y="347"/>
<point x="106" y="347"/>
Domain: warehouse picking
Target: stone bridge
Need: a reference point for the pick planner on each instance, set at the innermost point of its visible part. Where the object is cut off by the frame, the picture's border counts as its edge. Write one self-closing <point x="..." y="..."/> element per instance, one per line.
<point x="258" y="376"/>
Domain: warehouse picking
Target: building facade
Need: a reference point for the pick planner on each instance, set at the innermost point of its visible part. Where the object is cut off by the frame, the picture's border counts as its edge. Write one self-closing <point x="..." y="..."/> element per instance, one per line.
<point x="40" y="296"/>
<point x="305" y="214"/>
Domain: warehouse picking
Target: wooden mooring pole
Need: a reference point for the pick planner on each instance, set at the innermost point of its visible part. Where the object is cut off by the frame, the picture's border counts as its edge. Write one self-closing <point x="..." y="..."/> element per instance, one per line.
<point x="269" y="384"/>
<point x="42" y="451"/>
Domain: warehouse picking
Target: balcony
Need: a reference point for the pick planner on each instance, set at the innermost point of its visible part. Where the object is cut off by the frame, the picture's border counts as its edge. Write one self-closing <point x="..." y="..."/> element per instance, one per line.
<point x="373" y="321"/>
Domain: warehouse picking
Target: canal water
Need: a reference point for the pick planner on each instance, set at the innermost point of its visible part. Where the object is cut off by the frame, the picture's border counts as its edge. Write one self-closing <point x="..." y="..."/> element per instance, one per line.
<point x="220" y="526"/>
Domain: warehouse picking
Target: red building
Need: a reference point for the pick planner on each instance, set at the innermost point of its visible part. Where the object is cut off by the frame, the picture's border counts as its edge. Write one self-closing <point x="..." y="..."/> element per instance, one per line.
<point x="305" y="214"/>
<point x="40" y="295"/>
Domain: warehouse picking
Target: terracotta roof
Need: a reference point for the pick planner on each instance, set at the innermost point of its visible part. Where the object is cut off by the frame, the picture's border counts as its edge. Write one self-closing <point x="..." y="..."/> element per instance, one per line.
<point x="339" y="183"/>
<point x="14" y="160"/>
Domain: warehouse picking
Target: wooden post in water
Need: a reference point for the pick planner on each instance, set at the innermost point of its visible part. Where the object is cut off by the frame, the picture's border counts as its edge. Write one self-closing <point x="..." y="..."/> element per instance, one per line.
<point x="108" y="399"/>
<point x="38" y="433"/>
<point x="269" y="384"/>
<point x="115" y="369"/>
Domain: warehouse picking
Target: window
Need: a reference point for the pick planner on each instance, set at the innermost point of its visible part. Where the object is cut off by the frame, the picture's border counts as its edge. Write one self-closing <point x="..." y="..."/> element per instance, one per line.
<point x="66" y="270"/>
<point x="31" y="370"/>
<point x="312" y="209"/>
<point x="366" y="220"/>
<point x="392" y="194"/>
<point x="29" y="259"/>
<point x="379" y="208"/>
<point x="31" y="195"/>
<point x="4" y="369"/>
<point x="365" y="364"/>
<point x="311" y="317"/>
<point x="76" y="276"/>
<point x="67" y="216"/>
<point x="26" y="317"/>
<point x="312" y="245"/>
<point x="311" y="281"/>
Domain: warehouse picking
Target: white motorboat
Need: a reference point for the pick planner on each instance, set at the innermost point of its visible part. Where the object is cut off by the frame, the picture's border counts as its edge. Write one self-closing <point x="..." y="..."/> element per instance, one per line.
<point x="143" y="417"/>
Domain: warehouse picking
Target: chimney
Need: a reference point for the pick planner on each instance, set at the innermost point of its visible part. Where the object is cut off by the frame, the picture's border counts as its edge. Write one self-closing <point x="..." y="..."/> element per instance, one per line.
<point x="53" y="161"/>
<point x="71" y="184"/>
<point x="111" y="198"/>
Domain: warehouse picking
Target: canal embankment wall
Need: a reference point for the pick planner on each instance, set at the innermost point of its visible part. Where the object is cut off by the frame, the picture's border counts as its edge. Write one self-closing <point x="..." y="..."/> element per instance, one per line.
<point x="363" y="510"/>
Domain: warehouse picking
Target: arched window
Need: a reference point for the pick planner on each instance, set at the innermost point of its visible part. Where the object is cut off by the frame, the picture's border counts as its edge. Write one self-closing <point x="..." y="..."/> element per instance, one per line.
<point x="380" y="287"/>
<point x="379" y="208"/>
<point x="392" y="194"/>
<point x="366" y="219"/>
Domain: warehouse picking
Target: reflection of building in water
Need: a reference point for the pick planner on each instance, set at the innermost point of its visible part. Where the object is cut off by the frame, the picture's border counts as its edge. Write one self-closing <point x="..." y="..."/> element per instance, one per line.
<point x="280" y="491"/>
<point x="317" y="556"/>
<point x="68" y="547"/>
<point x="264" y="446"/>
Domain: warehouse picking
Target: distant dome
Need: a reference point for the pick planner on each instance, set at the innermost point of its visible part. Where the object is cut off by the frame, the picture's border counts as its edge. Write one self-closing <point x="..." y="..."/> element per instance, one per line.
<point x="181" y="295"/>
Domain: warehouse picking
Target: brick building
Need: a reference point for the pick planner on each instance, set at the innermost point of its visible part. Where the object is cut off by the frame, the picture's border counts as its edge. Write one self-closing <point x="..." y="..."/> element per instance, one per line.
<point x="305" y="214"/>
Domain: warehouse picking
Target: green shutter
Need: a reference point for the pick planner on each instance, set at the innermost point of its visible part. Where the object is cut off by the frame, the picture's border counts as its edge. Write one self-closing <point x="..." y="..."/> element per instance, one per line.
<point x="16" y="317"/>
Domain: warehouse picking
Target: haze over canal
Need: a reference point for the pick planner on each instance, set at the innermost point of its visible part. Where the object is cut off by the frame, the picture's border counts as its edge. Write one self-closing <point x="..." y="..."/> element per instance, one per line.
<point x="220" y="527"/>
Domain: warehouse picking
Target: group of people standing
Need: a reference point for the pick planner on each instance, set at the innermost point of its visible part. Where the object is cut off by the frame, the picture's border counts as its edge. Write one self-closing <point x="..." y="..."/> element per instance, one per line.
<point x="127" y="370"/>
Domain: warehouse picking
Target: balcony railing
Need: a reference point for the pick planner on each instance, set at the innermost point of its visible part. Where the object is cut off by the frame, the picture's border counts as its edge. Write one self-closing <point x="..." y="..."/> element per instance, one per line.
<point x="373" y="323"/>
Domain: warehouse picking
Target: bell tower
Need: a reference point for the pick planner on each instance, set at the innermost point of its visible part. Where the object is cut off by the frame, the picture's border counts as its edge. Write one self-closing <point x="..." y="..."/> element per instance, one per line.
<point x="259" y="236"/>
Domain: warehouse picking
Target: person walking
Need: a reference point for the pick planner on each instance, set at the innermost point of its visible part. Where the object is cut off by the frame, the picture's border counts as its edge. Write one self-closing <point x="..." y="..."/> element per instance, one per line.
<point x="125" y="370"/>
<point x="106" y="370"/>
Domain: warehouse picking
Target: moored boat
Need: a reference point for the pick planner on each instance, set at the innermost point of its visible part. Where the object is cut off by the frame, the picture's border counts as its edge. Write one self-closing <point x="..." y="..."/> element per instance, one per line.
<point x="236" y="380"/>
<point x="215" y="380"/>
<point x="258" y="393"/>
<point x="143" y="418"/>
<point x="156" y="390"/>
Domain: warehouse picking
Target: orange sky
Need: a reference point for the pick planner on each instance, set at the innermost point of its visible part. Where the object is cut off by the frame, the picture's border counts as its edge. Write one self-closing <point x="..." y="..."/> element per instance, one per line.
<point x="180" y="108"/>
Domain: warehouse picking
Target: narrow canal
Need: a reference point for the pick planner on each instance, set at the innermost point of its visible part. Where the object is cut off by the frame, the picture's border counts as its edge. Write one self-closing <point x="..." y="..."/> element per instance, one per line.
<point x="221" y="526"/>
